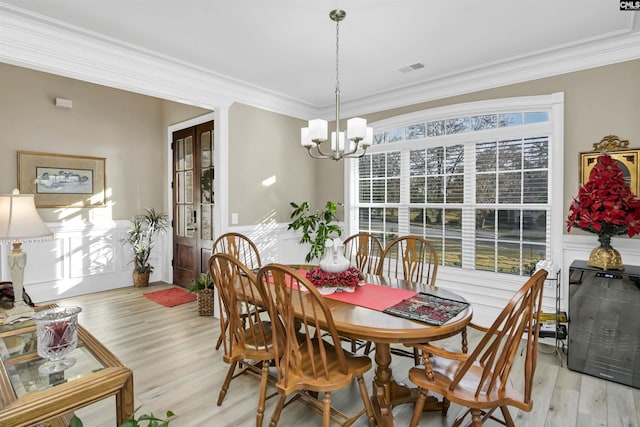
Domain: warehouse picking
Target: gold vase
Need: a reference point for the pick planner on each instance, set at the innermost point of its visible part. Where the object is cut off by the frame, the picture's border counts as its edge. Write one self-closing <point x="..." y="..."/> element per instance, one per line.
<point x="605" y="258"/>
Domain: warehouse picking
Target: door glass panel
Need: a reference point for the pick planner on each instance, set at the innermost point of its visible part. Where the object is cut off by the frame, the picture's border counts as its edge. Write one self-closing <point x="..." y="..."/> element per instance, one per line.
<point x="180" y="154"/>
<point x="179" y="187"/>
<point x="188" y="153"/>
<point x="206" y="184"/>
<point x="180" y="226"/>
<point x="190" y="217"/>
<point x="188" y="187"/>
<point x="205" y="149"/>
<point x="205" y="223"/>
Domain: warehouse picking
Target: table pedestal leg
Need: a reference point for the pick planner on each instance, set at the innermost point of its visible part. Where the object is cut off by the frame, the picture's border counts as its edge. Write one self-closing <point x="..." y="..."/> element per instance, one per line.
<point x="381" y="398"/>
<point x="388" y="393"/>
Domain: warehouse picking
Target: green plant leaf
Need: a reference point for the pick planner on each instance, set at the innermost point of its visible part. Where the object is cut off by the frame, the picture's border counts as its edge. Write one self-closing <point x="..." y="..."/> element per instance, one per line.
<point x="316" y="227"/>
<point x="141" y="237"/>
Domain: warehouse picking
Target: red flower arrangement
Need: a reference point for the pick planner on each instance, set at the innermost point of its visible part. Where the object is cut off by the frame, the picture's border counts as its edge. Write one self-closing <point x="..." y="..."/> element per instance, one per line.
<point x="605" y="205"/>
<point x="348" y="278"/>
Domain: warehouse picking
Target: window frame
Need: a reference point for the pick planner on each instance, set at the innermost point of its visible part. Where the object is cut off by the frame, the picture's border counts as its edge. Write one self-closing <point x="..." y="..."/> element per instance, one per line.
<point x="554" y="128"/>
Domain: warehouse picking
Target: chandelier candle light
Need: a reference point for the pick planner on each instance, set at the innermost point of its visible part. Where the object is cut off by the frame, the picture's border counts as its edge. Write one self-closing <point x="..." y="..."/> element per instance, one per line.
<point x="20" y="222"/>
<point x="358" y="135"/>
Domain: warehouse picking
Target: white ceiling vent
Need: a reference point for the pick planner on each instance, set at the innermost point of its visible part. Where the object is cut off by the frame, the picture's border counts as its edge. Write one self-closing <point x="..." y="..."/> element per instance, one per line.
<point x="412" y="67"/>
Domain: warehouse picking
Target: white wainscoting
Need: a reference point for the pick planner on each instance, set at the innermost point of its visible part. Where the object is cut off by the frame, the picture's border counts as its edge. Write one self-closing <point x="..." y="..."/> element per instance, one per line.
<point x="81" y="258"/>
<point x="275" y="243"/>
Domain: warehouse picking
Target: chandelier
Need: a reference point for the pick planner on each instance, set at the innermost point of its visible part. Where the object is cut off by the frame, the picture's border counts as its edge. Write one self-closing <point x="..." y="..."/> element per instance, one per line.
<point x="358" y="136"/>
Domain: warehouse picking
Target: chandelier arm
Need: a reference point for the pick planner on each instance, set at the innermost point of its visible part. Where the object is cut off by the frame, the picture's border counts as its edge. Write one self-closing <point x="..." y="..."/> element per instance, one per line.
<point x="357" y="153"/>
<point x="356" y="146"/>
<point x="318" y="154"/>
<point x="330" y="155"/>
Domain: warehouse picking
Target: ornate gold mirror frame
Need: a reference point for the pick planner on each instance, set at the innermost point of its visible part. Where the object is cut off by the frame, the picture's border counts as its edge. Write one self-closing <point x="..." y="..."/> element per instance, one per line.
<point x="628" y="160"/>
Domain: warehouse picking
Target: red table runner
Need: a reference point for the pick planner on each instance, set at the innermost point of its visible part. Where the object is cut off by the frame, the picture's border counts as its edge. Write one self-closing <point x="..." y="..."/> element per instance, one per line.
<point x="375" y="297"/>
<point x="371" y="296"/>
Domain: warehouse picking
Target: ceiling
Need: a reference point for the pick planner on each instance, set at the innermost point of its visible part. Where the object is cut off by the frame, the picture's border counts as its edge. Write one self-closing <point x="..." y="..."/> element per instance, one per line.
<point x="288" y="46"/>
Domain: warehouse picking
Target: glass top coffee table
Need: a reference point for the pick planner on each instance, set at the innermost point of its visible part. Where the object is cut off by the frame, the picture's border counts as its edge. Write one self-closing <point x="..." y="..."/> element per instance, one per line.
<point x="28" y="398"/>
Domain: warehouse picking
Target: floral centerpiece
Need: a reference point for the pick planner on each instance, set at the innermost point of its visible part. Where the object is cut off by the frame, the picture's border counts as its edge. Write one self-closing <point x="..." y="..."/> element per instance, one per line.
<point x="606" y="206"/>
<point x="328" y="282"/>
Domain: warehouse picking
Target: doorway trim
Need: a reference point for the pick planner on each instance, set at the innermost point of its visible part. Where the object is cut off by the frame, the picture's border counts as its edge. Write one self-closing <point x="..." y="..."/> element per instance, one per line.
<point x="220" y="117"/>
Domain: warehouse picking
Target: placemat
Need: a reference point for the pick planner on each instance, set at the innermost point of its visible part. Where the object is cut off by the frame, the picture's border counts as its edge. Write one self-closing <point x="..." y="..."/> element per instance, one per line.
<point x="427" y="308"/>
<point x="372" y="296"/>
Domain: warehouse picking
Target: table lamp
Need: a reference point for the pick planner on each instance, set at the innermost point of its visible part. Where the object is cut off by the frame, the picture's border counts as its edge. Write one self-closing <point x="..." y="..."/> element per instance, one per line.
<point x="20" y="222"/>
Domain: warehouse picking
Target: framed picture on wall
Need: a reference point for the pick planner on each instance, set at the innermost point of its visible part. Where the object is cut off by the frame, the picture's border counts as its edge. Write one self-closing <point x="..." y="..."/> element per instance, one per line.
<point x="62" y="180"/>
<point x="628" y="160"/>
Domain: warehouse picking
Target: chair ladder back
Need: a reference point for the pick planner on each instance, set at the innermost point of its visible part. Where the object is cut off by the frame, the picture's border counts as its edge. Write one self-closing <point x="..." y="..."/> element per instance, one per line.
<point x="364" y="250"/>
<point x="240" y="247"/>
<point x="288" y="291"/>
<point x="498" y="347"/>
<point x="410" y="258"/>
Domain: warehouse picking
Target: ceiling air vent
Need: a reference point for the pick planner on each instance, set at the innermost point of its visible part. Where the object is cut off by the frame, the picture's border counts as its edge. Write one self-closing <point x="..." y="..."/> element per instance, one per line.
<point x="412" y="67"/>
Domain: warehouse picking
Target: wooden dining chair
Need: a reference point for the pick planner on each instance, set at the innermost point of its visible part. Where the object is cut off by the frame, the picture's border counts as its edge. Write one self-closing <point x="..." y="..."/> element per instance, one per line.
<point x="410" y="258"/>
<point x="364" y="250"/>
<point x="480" y="381"/>
<point x="312" y="359"/>
<point x="244" y="250"/>
<point x="249" y="338"/>
<point x="414" y="259"/>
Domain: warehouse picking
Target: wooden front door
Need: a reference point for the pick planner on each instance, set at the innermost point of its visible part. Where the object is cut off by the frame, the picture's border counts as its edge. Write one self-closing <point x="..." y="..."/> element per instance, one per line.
<point x="193" y="199"/>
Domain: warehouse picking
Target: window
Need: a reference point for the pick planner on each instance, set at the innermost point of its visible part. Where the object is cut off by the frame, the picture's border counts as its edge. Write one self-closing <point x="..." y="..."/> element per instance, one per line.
<point x="475" y="179"/>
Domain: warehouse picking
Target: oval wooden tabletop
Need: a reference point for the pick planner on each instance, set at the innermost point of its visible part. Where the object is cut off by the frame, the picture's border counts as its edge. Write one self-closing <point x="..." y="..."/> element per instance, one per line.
<point x="372" y="325"/>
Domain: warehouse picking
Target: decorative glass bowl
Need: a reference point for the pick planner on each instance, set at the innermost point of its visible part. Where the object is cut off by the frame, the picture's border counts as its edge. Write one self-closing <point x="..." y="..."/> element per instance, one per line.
<point x="57" y="331"/>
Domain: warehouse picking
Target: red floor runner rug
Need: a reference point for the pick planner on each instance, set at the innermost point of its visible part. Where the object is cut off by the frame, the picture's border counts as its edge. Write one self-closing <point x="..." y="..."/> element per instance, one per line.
<point x="171" y="297"/>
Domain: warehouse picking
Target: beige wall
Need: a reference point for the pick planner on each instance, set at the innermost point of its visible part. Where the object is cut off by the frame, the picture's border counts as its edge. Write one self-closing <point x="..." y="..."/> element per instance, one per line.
<point x="262" y="145"/>
<point x="128" y="129"/>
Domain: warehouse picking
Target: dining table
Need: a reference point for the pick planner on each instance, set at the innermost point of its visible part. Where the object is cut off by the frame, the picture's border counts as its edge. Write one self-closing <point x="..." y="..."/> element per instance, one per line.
<point x="356" y="321"/>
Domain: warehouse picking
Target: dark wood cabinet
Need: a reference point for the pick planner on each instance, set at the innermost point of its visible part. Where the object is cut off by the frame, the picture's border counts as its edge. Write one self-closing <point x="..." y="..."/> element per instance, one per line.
<point x="604" y="323"/>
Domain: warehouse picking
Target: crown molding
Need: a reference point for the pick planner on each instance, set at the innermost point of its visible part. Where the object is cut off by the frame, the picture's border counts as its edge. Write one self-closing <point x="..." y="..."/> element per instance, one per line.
<point x="51" y="46"/>
<point x="59" y="49"/>
<point x="619" y="48"/>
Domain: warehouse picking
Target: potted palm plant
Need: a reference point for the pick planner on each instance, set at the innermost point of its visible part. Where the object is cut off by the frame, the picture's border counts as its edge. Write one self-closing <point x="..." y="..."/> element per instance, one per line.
<point x="141" y="237"/>
<point x="203" y="288"/>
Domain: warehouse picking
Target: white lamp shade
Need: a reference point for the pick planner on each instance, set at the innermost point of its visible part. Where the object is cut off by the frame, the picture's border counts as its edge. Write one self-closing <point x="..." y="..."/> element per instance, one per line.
<point x="340" y="141"/>
<point x="19" y="219"/>
<point x="304" y="137"/>
<point x="368" y="139"/>
<point x="356" y="128"/>
<point x="318" y="130"/>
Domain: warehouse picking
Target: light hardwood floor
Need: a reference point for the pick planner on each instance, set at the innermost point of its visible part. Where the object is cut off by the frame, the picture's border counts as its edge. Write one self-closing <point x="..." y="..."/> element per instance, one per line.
<point x="176" y="367"/>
